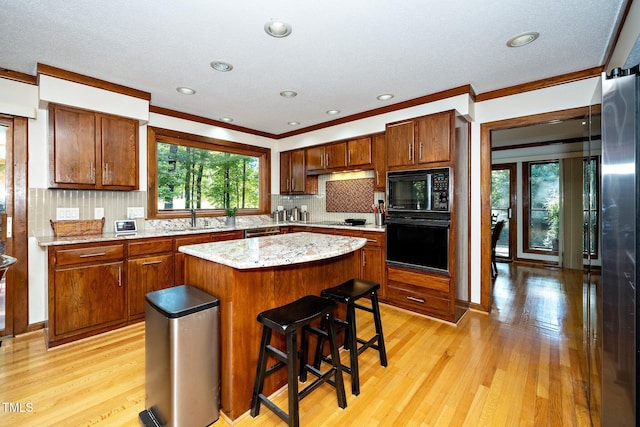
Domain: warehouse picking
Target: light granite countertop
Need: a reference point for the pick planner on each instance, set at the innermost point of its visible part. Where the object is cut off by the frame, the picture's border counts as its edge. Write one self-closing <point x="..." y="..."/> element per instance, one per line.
<point x="179" y="228"/>
<point x="274" y="251"/>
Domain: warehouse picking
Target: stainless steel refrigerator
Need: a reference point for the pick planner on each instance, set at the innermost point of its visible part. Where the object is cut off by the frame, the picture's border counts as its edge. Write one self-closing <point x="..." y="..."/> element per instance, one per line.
<point x="620" y="227"/>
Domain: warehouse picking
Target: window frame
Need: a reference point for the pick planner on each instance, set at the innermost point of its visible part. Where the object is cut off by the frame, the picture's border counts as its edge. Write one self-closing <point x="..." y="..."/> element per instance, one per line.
<point x="155" y="135"/>
<point x="526" y="207"/>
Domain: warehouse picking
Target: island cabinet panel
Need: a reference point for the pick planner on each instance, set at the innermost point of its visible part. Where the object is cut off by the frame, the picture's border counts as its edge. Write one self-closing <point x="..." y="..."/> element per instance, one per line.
<point x="90" y="150"/>
<point x="194" y="240"/>
<point x="86" y="291"/>
<point x="243" y="294"/>
<point x="150" y="268"/>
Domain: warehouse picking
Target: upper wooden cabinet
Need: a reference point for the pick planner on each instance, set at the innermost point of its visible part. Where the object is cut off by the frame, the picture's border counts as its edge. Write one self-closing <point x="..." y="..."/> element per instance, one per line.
<point x="379" y="162"/>
<point x="340" y="156"/>
<point x="359" y="152"/>
<point x="326" y="157"/>
<point x="92" y="150"/>
<point x="292" y="172"/>
<point x="420" y="141"/>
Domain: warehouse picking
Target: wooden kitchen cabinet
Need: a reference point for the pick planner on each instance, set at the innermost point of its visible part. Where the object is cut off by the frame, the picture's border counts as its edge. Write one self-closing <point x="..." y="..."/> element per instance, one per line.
<point x="421" y="141"/>
<point x="90" y="150"/>
<point x="326" y="157"/>
<point x="372" y="256"/>
<point x="293" y="174"/>
<point x="423" y="292"/>
<point x="379" y="162"/>
<point x="86" y="291"/>
<point x="359" y="152"/>
<point x="150" y="268"/>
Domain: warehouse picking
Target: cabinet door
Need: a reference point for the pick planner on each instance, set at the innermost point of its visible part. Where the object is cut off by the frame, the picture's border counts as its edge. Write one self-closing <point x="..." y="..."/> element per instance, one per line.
<point x="373" y="264"/>
<point x="72" y="149"/>
<point x="118" y="138"/>
<point x="147" y="275"/>
<point x="335" y="155"/>
<point x="359" y="152"/>
<point x="315" y="158"/>
<point x="285" y="172"/>
<point x="298" y="172"/>
<point x="400" y="145"/>
<point x="434" y="136"/>
<point x="379" y="163"/>
<point x="88" y="297"/>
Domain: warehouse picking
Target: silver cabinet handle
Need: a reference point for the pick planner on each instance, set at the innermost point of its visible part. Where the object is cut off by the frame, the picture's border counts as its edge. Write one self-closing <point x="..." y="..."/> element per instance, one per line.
<point x="420" y="158"/>
<point x="151" y="262"/>
<point x="377" y="177"/>
<point x="364" y="258"/>
<point x="372" y="241"/>
<point x="414" y="299"/>
<point x="409" y="145"/>
<point x="327" y="160"/>
<point x="293" y="184"/>
<point x="106" y="172"/>
<point x="119" y="276"/>
<point x="92" y="255"/>
<point x="91" y="174"/>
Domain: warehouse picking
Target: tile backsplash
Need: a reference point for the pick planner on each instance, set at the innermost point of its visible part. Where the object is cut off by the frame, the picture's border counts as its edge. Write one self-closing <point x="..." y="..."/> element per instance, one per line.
<point x="43" y="204"/>
<point x="317" y="203"/>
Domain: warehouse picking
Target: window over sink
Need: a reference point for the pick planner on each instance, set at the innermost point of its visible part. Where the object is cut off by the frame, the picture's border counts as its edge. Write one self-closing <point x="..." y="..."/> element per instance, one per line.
<point x="188" y="172"/>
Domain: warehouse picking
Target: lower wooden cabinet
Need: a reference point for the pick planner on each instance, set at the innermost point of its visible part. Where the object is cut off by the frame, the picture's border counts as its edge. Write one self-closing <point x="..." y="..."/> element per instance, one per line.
<point x="86" y="291"/>
<point x="426" y="293"/>
<point x="150" y="268"/>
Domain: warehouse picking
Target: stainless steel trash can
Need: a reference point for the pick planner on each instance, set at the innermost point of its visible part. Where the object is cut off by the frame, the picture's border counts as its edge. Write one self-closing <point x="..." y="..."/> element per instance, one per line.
<point x="182" y="356"/>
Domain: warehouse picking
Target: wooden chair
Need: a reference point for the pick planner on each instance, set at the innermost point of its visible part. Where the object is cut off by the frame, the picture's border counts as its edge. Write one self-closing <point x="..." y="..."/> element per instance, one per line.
<point x="495" y="235"/>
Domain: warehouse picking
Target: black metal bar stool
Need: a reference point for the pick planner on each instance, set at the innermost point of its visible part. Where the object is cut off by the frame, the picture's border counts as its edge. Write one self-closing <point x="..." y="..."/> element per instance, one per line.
<point x="349" y="293"/>
<point x="286" y="320"/>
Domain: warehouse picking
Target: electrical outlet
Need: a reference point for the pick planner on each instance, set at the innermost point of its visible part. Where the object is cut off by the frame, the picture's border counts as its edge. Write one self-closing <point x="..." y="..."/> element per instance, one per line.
<point x="135" y="212"/>
<point x="98" y="213"/>
<point x="67" y="213"/>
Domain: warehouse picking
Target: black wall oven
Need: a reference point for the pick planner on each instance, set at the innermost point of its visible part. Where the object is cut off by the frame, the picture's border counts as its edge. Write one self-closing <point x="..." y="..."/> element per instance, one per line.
<point x="419" y="241"/>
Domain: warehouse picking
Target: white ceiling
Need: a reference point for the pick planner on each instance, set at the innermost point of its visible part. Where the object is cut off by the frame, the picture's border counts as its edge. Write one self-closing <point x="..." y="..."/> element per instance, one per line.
<point x="340" y="55"/>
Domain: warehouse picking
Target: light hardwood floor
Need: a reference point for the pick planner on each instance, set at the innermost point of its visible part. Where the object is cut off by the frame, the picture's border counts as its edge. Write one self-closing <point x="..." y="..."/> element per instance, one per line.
<point x="521" y="365"/>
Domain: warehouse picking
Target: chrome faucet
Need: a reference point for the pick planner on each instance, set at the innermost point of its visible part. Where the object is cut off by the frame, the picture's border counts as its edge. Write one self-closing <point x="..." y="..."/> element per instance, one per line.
<point x="193" y="217"/>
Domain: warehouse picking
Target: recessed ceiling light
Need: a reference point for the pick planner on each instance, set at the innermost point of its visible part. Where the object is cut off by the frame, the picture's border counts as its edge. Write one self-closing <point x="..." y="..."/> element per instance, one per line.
<point x="288" y="94"/>
<point x="277" y="28"/>
<point x="333" y="112"/>
<point x="226" y="119"/>
<point x="523" y="39"/>
<point x="294" y="123"/>
<point x="385" y="97"/>
<point x="221" y="66"/>
<point x="185" y="90"/>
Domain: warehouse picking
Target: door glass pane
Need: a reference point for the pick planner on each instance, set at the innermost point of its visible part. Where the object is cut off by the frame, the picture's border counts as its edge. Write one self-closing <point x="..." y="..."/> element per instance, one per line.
<point x="3" y="197"/>
<point x="500" y="196"/>
<point x="544" y="209"/>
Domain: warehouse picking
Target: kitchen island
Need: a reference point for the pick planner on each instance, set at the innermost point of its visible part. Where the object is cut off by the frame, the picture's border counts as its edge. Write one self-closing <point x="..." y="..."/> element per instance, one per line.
<point x="252" y="275"/>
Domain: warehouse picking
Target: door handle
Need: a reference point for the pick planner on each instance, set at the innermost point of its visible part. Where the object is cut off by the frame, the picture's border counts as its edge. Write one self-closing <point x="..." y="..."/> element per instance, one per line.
<point x="509" y="213"/>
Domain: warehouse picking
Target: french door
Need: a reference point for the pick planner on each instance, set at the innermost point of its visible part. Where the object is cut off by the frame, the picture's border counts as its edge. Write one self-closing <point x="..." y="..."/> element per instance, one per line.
<point x="6" y="208"/>
<point x="503" y="206"/>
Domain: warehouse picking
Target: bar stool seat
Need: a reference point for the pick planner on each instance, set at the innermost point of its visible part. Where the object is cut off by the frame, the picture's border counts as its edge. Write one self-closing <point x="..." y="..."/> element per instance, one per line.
<point x="287" y="320"/>
<point x="349" y="293"/>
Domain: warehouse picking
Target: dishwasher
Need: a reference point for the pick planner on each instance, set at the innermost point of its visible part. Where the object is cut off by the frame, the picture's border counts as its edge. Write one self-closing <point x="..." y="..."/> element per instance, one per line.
<point x="259" y="232"/>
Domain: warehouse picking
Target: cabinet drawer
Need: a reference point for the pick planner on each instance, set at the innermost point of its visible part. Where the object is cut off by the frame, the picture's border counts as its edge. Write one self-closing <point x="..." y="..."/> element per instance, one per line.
<point x="419" y="279"/>
<point x="148" y="247"/>
<point x="374" y="239"/>
<point x="416" y="299"/>
<point x="227" y="235"/>
<point x="91" y="254"/>
<point x="191" y="240"/>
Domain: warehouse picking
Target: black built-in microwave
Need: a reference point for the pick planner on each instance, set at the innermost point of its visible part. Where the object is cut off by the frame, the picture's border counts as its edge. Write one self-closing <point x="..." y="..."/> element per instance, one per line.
<point x="423" y="190"/>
